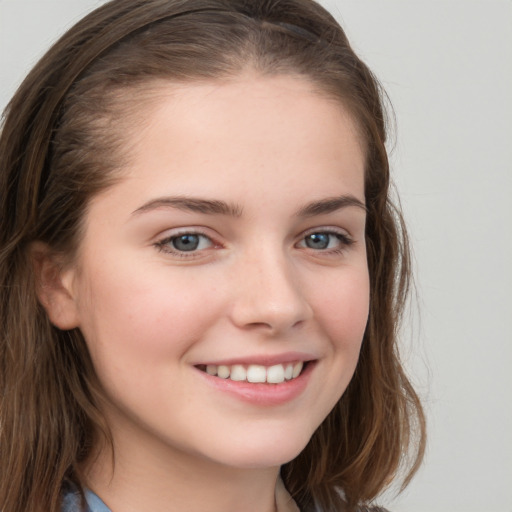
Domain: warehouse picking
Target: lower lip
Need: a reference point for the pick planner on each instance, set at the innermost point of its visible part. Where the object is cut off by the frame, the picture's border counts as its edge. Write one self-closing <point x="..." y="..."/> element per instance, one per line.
<point x="262" y="394"/>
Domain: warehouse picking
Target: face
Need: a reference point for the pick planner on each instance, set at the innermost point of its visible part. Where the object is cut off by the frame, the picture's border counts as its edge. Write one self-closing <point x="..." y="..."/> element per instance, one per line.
<point x="222" y="285"/>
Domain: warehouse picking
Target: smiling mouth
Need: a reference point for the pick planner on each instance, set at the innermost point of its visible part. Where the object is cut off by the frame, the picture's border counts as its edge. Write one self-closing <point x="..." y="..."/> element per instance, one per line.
<point x="255" y="373"/>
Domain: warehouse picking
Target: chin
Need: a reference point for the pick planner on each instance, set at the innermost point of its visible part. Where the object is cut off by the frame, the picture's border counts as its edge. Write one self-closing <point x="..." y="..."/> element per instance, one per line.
<point x="258" y="452"/>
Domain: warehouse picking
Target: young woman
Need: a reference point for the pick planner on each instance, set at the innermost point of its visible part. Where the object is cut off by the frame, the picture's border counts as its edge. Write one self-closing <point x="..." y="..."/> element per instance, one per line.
<point x="201" y="270"/>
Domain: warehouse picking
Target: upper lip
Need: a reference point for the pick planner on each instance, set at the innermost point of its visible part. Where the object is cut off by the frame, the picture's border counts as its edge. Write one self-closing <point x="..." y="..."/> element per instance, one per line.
<point x="261" y="359"/>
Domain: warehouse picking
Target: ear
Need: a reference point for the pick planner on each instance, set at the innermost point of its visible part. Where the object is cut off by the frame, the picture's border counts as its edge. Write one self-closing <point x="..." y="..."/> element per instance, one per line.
<point x="54" y="286"/>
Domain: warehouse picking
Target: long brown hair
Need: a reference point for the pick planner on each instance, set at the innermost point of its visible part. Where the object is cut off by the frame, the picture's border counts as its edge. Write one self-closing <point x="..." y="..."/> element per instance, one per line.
<point x="62" y="142"/>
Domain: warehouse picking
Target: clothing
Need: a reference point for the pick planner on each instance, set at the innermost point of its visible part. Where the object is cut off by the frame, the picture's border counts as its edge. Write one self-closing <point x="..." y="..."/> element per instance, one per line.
<point x="284" y="502"/>
<point x="71" y="501"/>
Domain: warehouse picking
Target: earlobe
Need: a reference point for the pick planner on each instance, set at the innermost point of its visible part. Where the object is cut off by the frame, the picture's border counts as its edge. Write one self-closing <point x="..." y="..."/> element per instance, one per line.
<point x="54" y="286"/>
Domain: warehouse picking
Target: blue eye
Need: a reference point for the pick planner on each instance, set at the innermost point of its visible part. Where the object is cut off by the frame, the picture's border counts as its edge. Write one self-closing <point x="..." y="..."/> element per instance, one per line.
<point x="186" y="242"/>
<point x="325" y="240"/>
<point x="318" y="240"/>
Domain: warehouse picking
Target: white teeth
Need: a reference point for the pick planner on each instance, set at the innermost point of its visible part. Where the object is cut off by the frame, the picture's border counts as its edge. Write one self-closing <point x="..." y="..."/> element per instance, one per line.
<point x="275" y="374"/>
<point x="223" y="372"/>
<point x="238" y="372"/>
<point x="297" y="368"/>
<point x="257" y="373"/>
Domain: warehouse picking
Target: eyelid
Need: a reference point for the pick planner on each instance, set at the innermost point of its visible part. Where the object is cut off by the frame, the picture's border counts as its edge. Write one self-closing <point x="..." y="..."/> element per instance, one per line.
<point x="333" y="230"/>
<point x="344" y="237"/>
<point x="162" y="243"/>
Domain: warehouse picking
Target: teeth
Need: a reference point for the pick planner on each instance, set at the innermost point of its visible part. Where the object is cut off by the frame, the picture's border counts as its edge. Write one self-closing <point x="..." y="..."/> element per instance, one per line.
<point x="275" y="374"/>
<point x="238" y="372"/>
<point x="297" y="368"/>
<point x="257" y="373"/>
<point x="223" y="372"/>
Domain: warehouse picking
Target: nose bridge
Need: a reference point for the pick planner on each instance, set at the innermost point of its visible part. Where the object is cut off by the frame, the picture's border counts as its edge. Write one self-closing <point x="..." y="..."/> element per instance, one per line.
<point x="269" y="295"/>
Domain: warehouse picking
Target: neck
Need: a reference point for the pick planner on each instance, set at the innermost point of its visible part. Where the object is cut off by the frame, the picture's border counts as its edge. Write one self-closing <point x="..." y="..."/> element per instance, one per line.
<point x="169" y="480"/>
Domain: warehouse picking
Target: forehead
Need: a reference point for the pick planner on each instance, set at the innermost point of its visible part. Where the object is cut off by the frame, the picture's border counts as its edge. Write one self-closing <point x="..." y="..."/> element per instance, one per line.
<point x="243" y="110"/>
<point x="252" y="131"/>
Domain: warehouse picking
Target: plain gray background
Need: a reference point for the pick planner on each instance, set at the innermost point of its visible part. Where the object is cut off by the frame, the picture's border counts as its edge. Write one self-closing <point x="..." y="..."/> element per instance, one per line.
<point x="447" y="66"/>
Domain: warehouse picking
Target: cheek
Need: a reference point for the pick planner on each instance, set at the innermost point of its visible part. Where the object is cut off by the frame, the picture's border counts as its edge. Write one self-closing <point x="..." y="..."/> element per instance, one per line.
<point x="143" y="315"/>
<point x="342" y="312"/>
<point x="343" y="309"/>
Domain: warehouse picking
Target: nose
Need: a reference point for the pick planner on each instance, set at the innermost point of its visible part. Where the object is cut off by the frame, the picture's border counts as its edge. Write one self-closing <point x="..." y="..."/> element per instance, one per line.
<point x="268" y="295"/>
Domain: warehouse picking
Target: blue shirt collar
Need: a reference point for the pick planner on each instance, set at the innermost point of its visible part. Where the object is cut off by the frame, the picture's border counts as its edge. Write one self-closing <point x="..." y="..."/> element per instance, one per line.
<point x="71" y="501"/>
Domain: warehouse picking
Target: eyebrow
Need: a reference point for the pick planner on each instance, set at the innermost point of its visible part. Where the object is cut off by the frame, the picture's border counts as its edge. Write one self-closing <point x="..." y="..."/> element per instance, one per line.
<point x="330" y="205"/>
<point x="217" y="207"/>
<point x="192" y="204"/>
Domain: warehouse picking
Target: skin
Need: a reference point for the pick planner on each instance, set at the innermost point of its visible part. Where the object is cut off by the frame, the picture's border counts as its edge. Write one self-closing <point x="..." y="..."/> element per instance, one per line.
<point x="268" y="147"/>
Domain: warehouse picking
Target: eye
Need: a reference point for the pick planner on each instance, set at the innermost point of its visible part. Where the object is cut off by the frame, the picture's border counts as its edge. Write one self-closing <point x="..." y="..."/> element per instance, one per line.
<point x="325" y="241"/>
<point x="185" y="242"/>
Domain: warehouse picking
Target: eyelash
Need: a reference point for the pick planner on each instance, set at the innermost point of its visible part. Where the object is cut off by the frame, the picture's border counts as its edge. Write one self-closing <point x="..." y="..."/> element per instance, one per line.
<point x="345" y="241"/>
<point x="164" y="244"/>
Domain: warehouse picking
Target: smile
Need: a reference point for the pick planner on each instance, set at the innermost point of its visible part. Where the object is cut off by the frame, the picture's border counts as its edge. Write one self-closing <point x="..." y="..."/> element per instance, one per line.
<point x="262" y="385"/>
<point x="255" y="373"/>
